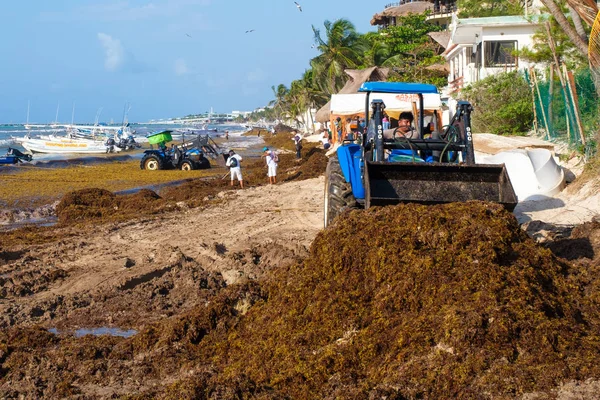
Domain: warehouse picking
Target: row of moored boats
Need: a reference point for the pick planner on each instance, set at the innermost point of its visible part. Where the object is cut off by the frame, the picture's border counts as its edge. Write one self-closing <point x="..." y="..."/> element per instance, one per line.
<point x="81" y="140"/>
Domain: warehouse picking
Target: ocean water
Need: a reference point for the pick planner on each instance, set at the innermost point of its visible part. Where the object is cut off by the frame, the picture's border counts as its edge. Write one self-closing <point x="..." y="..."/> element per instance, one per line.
<point x="8" y="133"/>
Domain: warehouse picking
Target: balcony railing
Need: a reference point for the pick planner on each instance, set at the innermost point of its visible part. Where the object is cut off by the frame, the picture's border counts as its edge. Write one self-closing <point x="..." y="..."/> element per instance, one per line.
<point x="436" y="8"/>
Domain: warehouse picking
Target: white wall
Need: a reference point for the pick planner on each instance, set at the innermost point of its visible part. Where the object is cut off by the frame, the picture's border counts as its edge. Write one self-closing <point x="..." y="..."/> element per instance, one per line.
<point x="460" y="61"/>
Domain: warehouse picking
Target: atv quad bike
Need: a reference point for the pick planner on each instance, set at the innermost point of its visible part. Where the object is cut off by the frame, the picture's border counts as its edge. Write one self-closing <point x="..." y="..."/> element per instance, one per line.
<point x="185" y="158"/>
<point x="388" y="168"/>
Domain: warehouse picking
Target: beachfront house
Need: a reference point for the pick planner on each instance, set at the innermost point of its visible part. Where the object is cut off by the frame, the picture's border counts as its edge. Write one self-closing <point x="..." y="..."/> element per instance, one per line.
<point x="480" y="47"/>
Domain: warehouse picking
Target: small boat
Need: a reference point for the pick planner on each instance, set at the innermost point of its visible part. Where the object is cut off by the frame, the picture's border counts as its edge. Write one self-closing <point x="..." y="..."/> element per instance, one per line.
<point x="14" y="156"/>
<point x="64" y="145"/>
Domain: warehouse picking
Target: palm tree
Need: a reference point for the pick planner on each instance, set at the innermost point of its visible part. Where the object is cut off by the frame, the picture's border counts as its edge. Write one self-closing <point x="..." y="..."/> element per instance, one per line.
<point x="560" y="17"/>
<point x="341" y="49"/>
<point x="279" y="103"/>
<point x="315" y="98"/>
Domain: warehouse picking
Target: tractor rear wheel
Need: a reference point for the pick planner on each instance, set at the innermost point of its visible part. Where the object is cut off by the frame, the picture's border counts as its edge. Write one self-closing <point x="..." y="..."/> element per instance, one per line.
<point x="187" y="165"/>
<point x="338" y="192"/>
<point x="151" y="162"/>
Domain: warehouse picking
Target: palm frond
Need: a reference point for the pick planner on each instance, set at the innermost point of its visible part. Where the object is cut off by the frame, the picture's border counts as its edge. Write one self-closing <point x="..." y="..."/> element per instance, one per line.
<point x="587" y="10"/>
<point x="594" y="44"/>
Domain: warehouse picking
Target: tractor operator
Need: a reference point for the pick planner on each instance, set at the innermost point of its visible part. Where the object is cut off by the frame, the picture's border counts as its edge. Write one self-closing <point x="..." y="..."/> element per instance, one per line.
<point x="405" y="127"/>
<point x="176" y="155"/>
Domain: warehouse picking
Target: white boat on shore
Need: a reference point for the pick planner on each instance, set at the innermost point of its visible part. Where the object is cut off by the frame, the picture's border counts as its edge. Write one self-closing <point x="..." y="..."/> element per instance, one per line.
<point x="64" y="145"/>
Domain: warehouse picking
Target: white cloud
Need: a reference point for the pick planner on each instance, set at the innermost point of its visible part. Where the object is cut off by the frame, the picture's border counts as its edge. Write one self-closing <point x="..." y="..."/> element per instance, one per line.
<point x="114" y="52"/>
<point x="181" y="67"/>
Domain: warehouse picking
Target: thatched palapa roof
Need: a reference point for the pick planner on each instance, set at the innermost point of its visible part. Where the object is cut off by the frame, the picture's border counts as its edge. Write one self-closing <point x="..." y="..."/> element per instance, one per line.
<point x="443" y="38"/>
<point x="439" y="67"/>
<point x="357" y="78"/>
<point x="416" y="7"/>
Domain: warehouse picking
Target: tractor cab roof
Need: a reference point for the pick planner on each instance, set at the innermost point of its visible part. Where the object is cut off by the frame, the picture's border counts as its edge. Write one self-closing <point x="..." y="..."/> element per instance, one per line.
<point x="398" y="87"/>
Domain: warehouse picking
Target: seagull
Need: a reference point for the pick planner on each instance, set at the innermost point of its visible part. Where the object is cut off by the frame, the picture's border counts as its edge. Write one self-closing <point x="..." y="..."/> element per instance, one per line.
<point x="251" y="30"/>
<point x="298" y="5"/>
<point x="312" y="46"/>
<point x="188" y="35"/>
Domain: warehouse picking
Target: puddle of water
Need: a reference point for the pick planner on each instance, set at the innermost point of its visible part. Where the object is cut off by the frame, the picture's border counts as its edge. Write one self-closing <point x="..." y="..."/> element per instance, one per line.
<point x="105" y="331"/>
<point x="155" y="188"/>
<point x="99" y="331"/>
<point x="47" y="221"/>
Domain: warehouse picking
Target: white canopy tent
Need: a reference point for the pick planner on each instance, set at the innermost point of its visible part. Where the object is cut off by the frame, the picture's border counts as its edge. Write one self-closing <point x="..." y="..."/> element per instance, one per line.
<point x="354" y="103"/>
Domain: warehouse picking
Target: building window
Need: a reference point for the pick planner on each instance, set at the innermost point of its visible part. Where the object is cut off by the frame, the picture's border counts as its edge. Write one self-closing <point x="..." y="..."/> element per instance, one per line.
<point x="471" y="55"/>
<point x="500" y="53"/>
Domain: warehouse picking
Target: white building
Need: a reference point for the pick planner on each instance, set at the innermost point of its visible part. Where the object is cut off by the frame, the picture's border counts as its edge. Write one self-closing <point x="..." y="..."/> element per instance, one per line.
<point x="480" y="47"/>
<point x="235" y="114"/>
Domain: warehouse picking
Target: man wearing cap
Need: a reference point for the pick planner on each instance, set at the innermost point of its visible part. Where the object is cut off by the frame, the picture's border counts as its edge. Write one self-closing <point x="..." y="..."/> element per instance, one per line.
<point x="272" y="159"/>
<point x="234" y="162"/>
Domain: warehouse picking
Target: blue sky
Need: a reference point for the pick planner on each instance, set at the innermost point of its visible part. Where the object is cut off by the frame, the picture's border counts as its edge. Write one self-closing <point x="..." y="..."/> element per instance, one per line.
<point x="167" y="58"/>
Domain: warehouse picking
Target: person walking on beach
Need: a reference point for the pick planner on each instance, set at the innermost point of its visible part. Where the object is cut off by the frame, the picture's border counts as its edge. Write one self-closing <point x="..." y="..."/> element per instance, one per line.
<point x="272" y="160"/>
<point x="298" y="143"/>
<point x="226" y="135"/>
<point x="234" y="163"/>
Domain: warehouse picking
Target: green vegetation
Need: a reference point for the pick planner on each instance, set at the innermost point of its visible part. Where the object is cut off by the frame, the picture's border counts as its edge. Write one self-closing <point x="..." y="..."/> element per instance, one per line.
<point x="502" y="104"/>
<point x="408" y="50"/>
<point x="556" y="101"/>
<point x="489" y="8"/>
<point x="541" y="52"/>
<point x="342" y="48"/>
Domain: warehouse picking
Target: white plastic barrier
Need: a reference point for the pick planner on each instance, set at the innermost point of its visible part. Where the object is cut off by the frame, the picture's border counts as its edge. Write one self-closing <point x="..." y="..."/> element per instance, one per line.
<point x="533" y="173"/>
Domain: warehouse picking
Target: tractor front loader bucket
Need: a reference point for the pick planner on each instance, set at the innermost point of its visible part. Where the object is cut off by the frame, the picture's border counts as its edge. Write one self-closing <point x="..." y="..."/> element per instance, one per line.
<point x="433" y="183"/>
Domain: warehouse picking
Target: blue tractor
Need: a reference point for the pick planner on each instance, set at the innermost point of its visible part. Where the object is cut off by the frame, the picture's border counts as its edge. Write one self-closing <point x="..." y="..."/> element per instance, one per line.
<point x="14" y="156"/>
<point x="186" y="157"/>
<point x="427" y="166"/>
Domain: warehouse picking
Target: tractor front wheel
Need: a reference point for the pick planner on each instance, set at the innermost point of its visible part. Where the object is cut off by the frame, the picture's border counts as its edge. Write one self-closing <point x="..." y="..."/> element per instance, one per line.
<point x="338" y="192"/>
<point x="187" y="165"/>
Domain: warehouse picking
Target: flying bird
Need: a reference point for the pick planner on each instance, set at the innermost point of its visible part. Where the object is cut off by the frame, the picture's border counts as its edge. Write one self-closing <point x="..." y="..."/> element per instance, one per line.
<point x="312" y="46"/>
<point x="251" y="30"/>
<point x="298" y="5"/>
<point x="188" y="35"/>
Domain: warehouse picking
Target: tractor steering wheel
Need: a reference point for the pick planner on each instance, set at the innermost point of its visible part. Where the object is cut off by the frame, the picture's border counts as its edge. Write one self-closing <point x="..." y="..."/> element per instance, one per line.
<point x="400" y="132"/>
